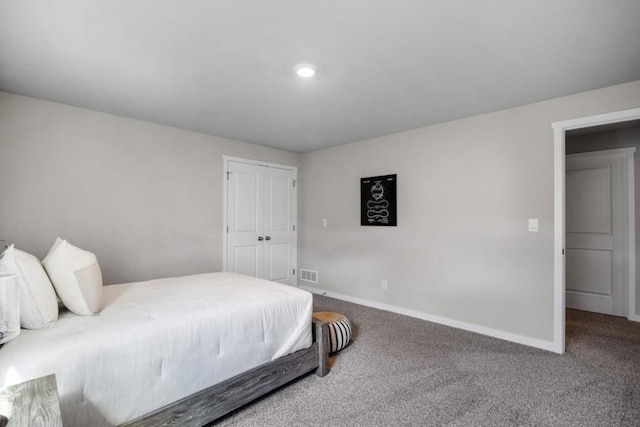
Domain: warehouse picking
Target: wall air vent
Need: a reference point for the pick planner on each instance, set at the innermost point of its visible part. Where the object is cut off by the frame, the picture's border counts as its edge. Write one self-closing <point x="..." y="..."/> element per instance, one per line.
<point x="309" y="275"/>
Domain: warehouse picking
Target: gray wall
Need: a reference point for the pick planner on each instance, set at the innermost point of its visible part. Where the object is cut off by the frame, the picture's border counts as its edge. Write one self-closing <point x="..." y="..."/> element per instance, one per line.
<point x="145" y="198"/>
<point x="607" y="140"/>
<point x="465" y="191"/>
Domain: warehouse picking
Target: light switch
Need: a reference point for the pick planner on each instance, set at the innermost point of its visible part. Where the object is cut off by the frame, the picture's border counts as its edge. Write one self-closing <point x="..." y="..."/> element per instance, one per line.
<point x="533" y="225"/>
<point x="324" y="222"/>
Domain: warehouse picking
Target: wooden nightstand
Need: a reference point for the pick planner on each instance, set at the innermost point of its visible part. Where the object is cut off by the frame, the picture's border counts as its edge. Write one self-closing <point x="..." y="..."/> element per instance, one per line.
<point x="31" y="403"/>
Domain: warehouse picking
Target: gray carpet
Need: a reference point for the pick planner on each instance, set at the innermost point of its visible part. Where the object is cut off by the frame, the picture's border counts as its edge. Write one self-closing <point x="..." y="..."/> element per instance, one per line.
<point x="404" y="371"/>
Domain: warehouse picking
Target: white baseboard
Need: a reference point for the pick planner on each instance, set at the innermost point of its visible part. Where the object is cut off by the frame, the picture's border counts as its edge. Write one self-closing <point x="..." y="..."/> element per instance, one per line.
<point x="495" y="333"/>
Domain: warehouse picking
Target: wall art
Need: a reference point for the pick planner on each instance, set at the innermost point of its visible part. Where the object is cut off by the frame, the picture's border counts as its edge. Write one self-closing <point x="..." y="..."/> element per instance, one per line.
<point x="378" y="200"/>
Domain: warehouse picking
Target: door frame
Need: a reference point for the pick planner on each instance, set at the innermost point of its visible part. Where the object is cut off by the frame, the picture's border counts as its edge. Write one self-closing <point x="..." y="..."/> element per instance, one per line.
<point x="225" y="170"/>
<point x="559" y="133"/>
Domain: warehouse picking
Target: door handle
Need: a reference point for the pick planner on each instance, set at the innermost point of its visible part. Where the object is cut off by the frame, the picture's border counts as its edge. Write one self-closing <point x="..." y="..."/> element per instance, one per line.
<point x="260" y="238"/>
<point x="268" y="238"/>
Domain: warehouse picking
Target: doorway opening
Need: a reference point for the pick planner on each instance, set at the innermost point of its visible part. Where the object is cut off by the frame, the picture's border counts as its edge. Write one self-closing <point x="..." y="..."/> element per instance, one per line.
<point x="615" y="120"/>
<point x="599" y="219"/>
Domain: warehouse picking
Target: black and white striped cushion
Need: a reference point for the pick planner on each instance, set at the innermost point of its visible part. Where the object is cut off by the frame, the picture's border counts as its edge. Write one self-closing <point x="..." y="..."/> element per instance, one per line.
<point x="339" y="334"/>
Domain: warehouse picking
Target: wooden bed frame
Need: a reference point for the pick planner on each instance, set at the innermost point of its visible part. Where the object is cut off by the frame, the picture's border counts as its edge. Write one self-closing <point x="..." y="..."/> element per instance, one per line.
<point x="216" y="401"/>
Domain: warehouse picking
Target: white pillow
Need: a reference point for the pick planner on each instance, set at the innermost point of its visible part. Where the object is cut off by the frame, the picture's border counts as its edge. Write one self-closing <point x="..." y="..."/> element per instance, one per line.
<point x="76" y="275"/>
<point x="38" y="302"/>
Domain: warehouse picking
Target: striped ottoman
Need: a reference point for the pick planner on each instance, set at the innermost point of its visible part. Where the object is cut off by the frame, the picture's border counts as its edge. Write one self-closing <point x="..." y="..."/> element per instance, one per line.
<point x="339" y="329"/>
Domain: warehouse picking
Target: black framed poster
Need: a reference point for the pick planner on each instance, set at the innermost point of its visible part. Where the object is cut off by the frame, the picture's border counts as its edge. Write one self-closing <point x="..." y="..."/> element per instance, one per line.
<point x="378" y="201"/>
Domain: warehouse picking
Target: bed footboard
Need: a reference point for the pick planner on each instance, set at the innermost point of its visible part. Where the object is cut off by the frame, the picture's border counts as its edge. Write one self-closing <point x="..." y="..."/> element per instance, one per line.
<point x="321" y="337"/>
<point x="216" y="401"/>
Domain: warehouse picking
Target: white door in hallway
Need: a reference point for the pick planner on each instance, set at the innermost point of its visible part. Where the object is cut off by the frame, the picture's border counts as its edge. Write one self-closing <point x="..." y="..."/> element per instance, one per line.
<point x="597" y="231"/>
<point x="261" y="212"/>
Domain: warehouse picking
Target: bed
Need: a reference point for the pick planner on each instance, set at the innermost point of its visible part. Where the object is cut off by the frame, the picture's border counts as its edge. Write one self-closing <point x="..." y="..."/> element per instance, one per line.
<point x="175" y="351"/>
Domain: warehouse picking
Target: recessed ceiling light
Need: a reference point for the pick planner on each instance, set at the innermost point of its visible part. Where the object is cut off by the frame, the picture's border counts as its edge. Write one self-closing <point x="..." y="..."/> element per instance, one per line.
<point x="305" y="70"/>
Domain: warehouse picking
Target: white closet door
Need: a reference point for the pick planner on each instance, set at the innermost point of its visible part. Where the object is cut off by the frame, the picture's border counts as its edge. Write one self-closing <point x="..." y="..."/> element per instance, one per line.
<point x="244" y="219"/>
<point x="596" y="227"/>
<point x="280" y="235"/>
<point x="261" y="212"/>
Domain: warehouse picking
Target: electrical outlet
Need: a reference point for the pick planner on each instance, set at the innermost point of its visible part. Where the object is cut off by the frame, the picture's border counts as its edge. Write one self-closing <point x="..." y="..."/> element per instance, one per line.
<point x="384" y="285"/>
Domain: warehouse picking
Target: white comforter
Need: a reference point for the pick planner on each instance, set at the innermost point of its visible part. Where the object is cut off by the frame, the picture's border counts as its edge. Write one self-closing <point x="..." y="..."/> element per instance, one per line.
<point x="158" y="341"/>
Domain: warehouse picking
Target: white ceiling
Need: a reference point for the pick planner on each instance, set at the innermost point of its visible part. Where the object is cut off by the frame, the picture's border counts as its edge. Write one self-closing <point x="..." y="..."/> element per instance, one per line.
<point x="225" y="67"/>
